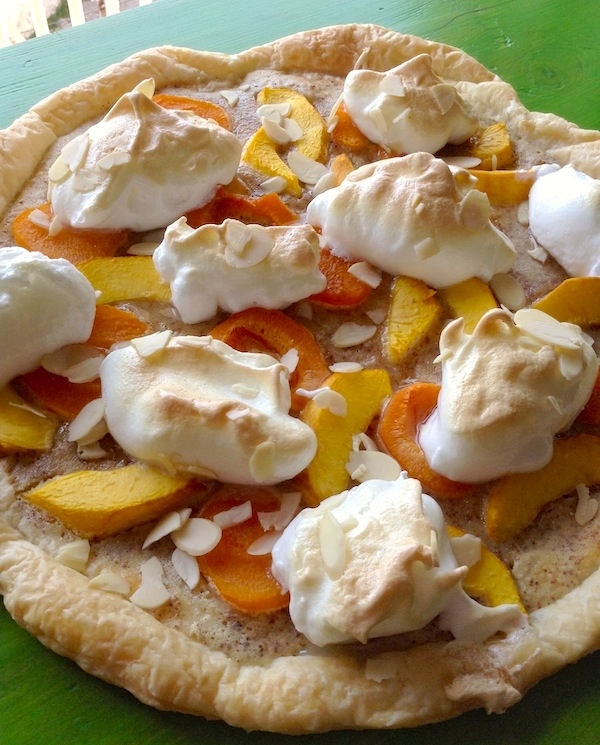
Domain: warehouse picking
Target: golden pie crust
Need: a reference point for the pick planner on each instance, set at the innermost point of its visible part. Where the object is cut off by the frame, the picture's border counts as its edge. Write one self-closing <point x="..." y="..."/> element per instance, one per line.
<point x="284" y="692"/>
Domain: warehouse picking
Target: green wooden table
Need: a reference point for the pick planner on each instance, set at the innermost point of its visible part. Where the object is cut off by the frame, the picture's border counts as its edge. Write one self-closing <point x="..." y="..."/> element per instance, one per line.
<point x="549" y="50"/>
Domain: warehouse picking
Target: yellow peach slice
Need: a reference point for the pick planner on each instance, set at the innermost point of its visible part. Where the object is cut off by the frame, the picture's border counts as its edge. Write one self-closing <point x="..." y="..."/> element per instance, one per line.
<point x="493" y="146"/>
<point x="314" y="140"/>
<point x="97" y="504"/>
<point x="125" y="278"/>
<point x="364" y="392"/>
<point x="414" y="311"/>
<point x="21" y="427"/>
<point x="260" y="153"/>
<point x="514" y="501"/>
<point x="504" y="188"/>
<point x="575" y="300"/>
<point x="469" y="300"/>
<point x="489" y="580"/>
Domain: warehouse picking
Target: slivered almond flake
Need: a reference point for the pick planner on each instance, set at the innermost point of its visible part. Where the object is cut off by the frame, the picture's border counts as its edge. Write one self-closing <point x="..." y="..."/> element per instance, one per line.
<point x="378" y="119"/>
<point x="114" y="159"/>
<point x="362" y="441"/>
<point x="546" y="329"/>
<point x="110" y="582"/>
<point x="462" y="161"/>
<point x="58" y="171"/>
<point x="246" y="245"/>
<point x="363" y="465"/>
<point x="377" y="315"/>
<point x="326" y="398"/>
<point x="293" y="129"/>
<point x="84" y="371"/>
<point x="273" y="185"/>
<point x="523" y="214"/>
<point x="90" y="451"/>
<point x="74" y="152"/>
<point x="146" y="346"/>
<point x="167" y="524"/>
<point x="187" y="568"/>
<point x="275" y="132"/>
<point x="290" y="359"/>
<point x="39" y="218"/>
<point x="232" y="97"/>
<point x="366" y="273"/>
<point x="197" y="537"/>
<point x="508" y="291"/>
<point x="332" y="540"/>
<point x="280" y="519"/>
<point x="426" y="248"/>
<point x="327" y="181"/>
<point x="65" y="358"/>
<point x="89" y="423"/>
<point x="264" y="545"/>
<point x="276" y="112"/>
<point x="146" y="87"/>
<point x="309" y="171"/>
<point x="392" y="85"/>
<point x="347" y="366"/>
<point x="352" y="334"/>
<point x="144" y="248"/>
<point x="152" y="593"/>
<point x="234" y="516"/>
<point x="74" y="555"/>
<point x="466" y="549"/>
<point x="587" y="507"/>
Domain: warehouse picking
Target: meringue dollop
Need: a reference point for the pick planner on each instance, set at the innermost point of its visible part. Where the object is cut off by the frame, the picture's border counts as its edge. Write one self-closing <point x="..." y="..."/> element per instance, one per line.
<point x="141" y="167"/>
<point x="507" y="389"/>
<point x="45" y="304"/>
<point x="416" y="216"/>
<point x="196" y="405"/>
<point x="375" y="561"/>
<point x="234" y="266"/>
<point x="408" y="108"/>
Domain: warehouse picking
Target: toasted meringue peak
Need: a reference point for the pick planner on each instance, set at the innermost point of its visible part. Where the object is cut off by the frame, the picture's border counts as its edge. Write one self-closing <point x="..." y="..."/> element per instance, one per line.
<point x="140" y="167"/>
<point x="184" y="409"/>
<point x="416" y="216"/>
<point x="409" y="108"/>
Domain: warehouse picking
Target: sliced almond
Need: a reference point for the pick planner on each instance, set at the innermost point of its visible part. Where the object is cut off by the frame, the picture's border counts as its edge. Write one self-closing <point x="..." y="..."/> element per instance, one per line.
<point x="351" y="334"/>
<point x="364" y="465"/>
<point x="146" y="346"/>
<point x="152" y="593"/>
<point x="234" y="516"/>
<point x="367" y="273"/>
<point x="88" y="423"/>
<point x="280" y="519"/>
<point x="187" y="567"/>
<point x="307" y="170"/>
<point x="110" y="582"/>
<point x="508" y="291"/>
<point x="75" y="555"/>
<point x="197" y="537"/>
<point x="264" y="545"/>
<point x="167" y="524"/>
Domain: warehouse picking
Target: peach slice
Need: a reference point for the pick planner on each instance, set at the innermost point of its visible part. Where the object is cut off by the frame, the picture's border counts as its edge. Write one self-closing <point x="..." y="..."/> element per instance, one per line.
<point x="414" y="311"/>
<point x="489" y="580"/>
<point x="514" y="501"/>
<point x="469" y="300"/>
<point x="22" y="428"/>
<point x="125" y="278"/>
<point x="97" y="504"/>
<point x="364" y="392"/>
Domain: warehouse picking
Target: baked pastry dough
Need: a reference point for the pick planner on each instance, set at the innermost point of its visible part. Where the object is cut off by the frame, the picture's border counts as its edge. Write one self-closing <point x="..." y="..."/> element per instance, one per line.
<point x="283" y="691"/>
